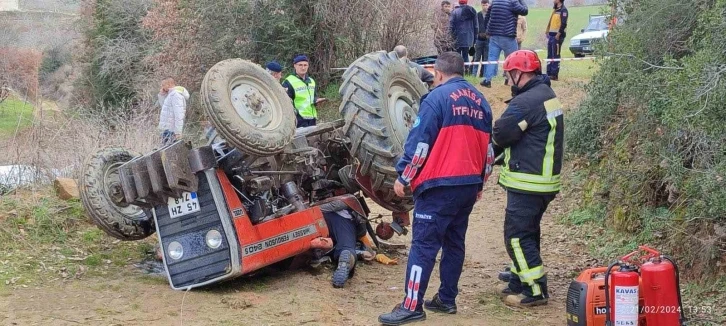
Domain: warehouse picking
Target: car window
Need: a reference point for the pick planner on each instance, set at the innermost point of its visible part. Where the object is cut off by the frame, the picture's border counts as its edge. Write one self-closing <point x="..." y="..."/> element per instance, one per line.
<point x="597" y="24"/>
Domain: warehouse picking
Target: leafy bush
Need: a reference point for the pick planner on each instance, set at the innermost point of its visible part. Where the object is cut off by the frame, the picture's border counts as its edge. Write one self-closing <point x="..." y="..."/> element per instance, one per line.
<point x="115" y="45"/>
<point x="134" y="44"/>
<point x="653" y="122"/>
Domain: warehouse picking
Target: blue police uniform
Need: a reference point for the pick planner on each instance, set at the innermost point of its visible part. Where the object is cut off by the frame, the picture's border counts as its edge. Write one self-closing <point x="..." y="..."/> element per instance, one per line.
<point x="447" y="159"/>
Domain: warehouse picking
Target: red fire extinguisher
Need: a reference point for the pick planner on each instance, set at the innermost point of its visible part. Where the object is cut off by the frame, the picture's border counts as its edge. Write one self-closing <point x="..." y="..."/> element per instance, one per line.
<point x="621" y="295"/>
<point x="662" y="304"/>
<point x="658" y="280"/>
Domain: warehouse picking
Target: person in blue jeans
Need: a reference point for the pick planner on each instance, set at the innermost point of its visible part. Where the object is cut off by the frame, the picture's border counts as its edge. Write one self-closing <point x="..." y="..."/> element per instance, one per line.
<point x="501" y="21"/>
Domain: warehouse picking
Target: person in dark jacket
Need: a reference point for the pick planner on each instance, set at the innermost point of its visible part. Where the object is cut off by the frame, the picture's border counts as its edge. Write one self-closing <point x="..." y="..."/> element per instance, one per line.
<point x="446" y="161"/>
<point x="501" y="23"/>
<point x="555" y="36"/>
<point x="423" y="74"/>
<point x="530" y="132"/>
<point x="463" y="28"/>
<point x="481" y="52"/>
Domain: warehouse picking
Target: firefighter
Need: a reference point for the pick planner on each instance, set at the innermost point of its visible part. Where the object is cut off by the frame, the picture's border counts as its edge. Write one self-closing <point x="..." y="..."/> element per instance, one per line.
<point x="555" y="37"/>
<point x="530" y="133"/>
<point x="301" y="89"/>
<point x="446" y="160"/>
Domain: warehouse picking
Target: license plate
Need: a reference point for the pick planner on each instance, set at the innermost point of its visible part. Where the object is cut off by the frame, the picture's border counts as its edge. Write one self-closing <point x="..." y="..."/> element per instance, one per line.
<point x="187" y="204"/>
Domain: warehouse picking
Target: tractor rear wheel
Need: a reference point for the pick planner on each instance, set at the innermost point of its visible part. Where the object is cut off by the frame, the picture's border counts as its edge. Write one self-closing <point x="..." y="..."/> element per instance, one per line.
<point x="102" y="197"/>
<point x="248" y="107"/>
<point x="380" y="100"/>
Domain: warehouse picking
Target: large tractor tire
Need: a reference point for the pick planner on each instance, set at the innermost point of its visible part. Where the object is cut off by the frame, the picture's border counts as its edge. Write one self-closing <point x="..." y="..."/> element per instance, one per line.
<point x="248" y="107"/>
<point x="102" y="197"/>
<point x="381" y="96"/>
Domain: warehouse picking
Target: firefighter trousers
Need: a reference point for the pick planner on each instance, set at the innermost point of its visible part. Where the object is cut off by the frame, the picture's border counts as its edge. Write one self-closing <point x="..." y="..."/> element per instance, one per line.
<point x="522" y="240"/>
<point x="440" y="220"/>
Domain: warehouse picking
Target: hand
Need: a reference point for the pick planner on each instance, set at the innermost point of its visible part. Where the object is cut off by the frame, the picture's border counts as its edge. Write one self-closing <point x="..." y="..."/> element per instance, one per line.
<point x="478" y="196"/>
<point x="321" y="100"/>
<point x="557" y="37"/>
<point x="398" y="187"/>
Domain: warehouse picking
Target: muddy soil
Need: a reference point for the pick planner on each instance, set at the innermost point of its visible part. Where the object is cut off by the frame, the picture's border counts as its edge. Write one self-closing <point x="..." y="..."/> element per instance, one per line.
<point x="306" y="297"/>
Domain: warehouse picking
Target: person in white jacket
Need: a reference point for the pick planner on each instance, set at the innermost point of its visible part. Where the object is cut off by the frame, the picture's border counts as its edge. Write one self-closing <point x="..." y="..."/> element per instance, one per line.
<point x="173" y="101"/>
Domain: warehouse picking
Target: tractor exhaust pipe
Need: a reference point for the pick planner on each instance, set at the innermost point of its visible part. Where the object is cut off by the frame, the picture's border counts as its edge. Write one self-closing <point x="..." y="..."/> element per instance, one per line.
<point x="292" y="194"/>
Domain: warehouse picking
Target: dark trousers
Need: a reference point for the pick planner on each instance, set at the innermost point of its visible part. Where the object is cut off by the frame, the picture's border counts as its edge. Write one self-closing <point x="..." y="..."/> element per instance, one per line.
<point x="481" y="54"/>
<point x="342" y="231"/>
<point x="464" y="51"/>
<point x="554" y="47"/>
<point x="167" y="137"/>
<point x="522" y="240"/>
<point x="440" y="219"/>
<point x="302" y="122"/>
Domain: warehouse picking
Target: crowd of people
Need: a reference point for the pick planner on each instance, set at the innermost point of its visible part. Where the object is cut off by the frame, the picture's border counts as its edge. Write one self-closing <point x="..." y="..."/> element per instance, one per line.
<point x="500" y="27"/>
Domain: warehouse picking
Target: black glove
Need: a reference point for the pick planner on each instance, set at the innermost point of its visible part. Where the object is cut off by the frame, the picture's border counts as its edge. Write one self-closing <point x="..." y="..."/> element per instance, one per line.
<point x="472" y="51"/>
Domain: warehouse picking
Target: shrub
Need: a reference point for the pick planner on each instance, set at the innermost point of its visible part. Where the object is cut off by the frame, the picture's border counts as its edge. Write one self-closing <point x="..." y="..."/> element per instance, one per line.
<point x="653" y="123"/>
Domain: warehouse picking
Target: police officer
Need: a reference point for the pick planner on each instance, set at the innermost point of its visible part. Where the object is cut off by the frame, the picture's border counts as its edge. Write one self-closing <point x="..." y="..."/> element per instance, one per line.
<point x="275" y="69"/>
<point x="555" y="37"/>
<point x="530" y="132"/>
<point x="446" y="161"/>
<point x="301" y="89"/>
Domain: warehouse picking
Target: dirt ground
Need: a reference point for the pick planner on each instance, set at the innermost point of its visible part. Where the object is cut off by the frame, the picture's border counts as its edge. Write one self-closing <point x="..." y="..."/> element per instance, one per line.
<point x="306" y="297"/>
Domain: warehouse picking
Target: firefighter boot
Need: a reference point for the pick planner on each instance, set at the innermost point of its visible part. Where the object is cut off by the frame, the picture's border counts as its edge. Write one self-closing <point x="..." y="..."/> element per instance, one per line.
<point x="526" y="298"/>
<point x="435" y="304"/>
<point x="346" y="266"/>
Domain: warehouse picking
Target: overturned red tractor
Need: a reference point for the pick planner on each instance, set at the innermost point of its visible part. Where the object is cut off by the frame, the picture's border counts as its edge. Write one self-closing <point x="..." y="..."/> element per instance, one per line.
<point x="253" y="196"/>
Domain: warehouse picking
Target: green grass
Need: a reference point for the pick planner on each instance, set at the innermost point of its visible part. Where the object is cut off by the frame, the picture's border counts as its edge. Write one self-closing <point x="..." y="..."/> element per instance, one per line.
<point x="14" y="115"/>
<point x="43" y="239"/>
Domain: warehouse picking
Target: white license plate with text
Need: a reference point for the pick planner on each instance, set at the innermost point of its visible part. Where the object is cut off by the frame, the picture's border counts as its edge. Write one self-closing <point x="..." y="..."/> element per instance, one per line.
<point x="187" y="204"/>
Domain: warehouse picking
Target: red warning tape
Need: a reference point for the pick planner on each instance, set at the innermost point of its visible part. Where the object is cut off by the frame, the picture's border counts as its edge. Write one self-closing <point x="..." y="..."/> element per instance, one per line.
<point x="481" y="63"/>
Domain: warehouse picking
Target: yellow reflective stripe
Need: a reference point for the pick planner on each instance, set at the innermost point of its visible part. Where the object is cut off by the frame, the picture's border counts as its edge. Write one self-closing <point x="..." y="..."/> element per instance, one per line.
<point x="533" y="178"/>
<point x="531" y="274"/>
<point x="507" y="156"/>
<point x="519" y="256"/>
<point x="549" y="157"/>
<point x="533" y="187"/>
<point x="513" y="269"/>
<point x="552" y="105"/>
<point x="554" y="109"/>
<point x="536" y="289"/>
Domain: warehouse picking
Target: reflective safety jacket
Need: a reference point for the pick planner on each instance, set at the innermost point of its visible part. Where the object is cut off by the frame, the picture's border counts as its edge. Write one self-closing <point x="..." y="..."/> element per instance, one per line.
<point x="449" y="142"/>
<point x="558" y="20"/>
<point x="302" y="93"/>
<point x="531" y="132"/>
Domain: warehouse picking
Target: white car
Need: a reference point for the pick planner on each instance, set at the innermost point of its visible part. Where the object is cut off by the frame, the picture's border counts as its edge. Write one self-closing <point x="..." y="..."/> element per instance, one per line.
<point x="584" y="43"/>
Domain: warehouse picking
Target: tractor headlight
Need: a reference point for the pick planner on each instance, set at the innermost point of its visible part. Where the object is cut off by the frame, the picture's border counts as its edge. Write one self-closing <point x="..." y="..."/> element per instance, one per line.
<point x="175" y="250"/>
<point x="213" y="239"/>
